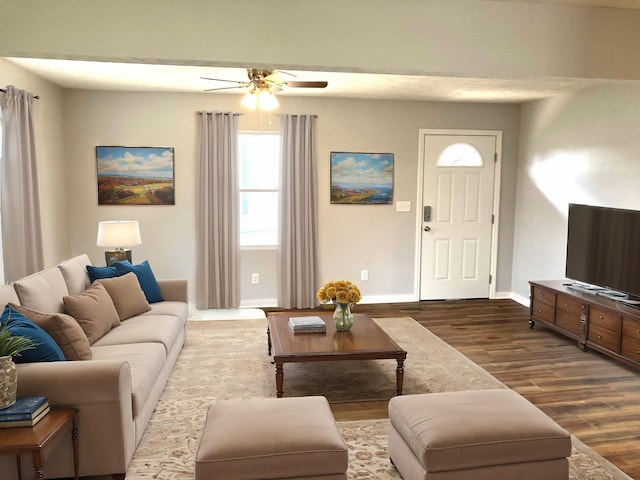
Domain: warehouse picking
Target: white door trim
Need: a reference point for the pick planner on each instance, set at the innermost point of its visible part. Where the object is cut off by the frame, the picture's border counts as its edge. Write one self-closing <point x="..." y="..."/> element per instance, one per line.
<point x="496" y="201"/>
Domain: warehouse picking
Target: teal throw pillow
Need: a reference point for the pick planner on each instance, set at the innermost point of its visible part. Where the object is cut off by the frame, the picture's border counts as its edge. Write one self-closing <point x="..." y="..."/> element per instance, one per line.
<point x="47" y="350"/>
<point x="145" y="275"/>
<point x="97" y="273"/>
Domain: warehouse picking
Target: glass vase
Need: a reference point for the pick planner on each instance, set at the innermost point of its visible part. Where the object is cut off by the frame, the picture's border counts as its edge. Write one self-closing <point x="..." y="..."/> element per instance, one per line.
<point x="342" y="317"/>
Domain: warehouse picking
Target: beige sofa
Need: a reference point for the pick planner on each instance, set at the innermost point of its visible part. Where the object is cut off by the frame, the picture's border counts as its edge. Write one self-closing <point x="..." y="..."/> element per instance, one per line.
<point x="116" y="390"/>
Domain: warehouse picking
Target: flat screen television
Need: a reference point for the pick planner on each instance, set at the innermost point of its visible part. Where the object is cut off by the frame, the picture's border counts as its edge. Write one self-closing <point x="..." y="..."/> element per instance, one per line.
<point x="603" y="248"/>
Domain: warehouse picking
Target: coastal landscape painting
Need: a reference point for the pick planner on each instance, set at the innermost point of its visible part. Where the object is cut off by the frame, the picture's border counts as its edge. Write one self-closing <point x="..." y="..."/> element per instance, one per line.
<point x="135" y="175"/>
<point x="361" y="178"/>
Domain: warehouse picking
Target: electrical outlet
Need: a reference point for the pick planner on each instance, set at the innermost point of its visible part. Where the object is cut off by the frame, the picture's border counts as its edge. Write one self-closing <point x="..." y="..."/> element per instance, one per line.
<point x="255" y="278"/>
<point x="364" y="274"/>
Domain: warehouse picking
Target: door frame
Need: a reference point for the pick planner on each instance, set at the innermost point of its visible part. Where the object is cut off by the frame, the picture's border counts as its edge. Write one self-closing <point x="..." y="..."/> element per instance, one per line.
<point x="496" y="200"/>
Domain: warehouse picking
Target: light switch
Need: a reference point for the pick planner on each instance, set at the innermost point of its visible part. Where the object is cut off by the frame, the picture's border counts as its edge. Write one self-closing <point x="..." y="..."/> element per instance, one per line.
<point x="403" y="206"/>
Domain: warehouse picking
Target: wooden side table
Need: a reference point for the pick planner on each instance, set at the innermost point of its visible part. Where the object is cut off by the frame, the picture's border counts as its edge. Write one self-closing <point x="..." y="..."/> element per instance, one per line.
<point x="38" y="439"/>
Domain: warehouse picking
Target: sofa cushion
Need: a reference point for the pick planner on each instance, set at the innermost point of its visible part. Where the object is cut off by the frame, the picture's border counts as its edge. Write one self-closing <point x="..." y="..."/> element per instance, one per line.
<point x="93" y="309"/>
<point x="96" y="273"/>
<point x="46" y="349"/>
<point x="8" y="295"/>
<point x="163" y="329"/>
<point x="75" y="274"/>
<point x="42" y="291"/>
<point x="64" y="330"/>
<point x="176" y="309"/>
<point x="145" y="276"/>
<point x="126" y="294"/>
<point x="146" y="361"/>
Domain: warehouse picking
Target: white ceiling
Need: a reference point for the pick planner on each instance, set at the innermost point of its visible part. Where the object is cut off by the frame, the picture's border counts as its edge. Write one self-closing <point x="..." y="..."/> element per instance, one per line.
<point x="176" y="78"/>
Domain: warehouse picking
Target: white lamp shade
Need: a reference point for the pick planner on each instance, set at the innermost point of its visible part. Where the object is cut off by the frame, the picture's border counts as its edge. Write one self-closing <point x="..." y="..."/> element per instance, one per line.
<point x="120" y="233"/>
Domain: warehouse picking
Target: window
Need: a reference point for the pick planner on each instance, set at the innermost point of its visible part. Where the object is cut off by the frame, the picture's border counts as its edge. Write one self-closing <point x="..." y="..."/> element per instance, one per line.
<point x="259" y="174"/>
<point x="460" y="155"/>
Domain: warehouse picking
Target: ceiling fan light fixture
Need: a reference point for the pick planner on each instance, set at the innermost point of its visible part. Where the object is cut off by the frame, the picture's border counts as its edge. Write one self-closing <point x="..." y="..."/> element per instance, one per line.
<point x="250" y="100"/>
<point x="267" y="100"/>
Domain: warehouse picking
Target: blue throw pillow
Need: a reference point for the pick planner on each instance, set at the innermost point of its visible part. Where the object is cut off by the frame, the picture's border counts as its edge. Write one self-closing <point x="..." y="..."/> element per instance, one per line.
<point x="47" y="350"/>
<point x="96" y="273"/>
<point x="147" y="279"/>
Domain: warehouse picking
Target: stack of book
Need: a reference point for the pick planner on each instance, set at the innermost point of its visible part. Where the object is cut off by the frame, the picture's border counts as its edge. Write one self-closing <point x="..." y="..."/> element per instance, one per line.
<point x="26" y="412"/>
<point x="307" y="325"/>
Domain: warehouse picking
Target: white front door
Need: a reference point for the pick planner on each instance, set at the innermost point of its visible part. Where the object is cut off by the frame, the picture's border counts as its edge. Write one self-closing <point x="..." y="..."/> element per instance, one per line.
<point x="458" y="198"/>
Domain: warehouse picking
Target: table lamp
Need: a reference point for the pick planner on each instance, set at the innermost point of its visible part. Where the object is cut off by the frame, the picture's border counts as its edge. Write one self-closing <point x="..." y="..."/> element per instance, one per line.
<point x="117" y="235"/>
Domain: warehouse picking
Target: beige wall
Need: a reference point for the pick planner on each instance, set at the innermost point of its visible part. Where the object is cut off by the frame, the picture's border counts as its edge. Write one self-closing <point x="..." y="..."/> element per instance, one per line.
<point x="477" y="38"/>
<point x="351" y="237"/>
<point x="52" y="168"/>
<point x="580" y="148"/>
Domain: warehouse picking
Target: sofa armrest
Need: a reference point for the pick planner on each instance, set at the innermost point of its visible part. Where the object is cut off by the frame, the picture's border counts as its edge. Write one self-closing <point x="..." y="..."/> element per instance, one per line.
<point x="174" y="290"/>
<point x="101" y="391"/>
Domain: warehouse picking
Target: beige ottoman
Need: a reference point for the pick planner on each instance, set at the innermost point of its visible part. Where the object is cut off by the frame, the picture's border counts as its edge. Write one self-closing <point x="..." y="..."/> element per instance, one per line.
<point x="271" y="438"/>
<point x="483" y="434"/>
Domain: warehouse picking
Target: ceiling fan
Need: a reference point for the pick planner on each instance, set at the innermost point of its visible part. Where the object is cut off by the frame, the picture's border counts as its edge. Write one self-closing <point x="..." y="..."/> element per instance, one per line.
<point x="262" y="85"/>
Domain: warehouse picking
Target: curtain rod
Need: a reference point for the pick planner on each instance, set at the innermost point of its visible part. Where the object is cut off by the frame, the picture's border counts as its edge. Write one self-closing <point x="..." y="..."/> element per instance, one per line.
<point x="295" y="115"/>
<point x="35" y="96"/>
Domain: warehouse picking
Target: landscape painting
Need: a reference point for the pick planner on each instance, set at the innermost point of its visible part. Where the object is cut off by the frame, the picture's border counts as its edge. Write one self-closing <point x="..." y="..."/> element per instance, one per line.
<point x="135" y="175"/>
<point x="361" y="178"/>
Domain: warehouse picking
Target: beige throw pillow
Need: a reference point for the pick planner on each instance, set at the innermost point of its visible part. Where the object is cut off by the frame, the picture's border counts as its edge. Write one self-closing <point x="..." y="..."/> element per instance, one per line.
<point x="93" y="309"/>
<point x="126" y="294"/>
<point x="64" y="330"/>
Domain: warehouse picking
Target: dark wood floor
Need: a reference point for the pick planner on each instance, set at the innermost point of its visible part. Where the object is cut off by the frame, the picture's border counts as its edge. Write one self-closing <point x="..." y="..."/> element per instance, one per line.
<point x="595" y="398"/>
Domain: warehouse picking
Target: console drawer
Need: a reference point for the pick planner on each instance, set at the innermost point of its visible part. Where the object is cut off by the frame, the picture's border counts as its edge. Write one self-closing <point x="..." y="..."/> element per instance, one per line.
<point x="542" y="295"/>
<point x="543" y="311"/>
<point x="569" y="321"/>
<point x="630" y="348"/>
<point x="630" y="329"/>
<point x="603" y="337"/>
<point x="570" y="305"/>
<point x="604" y="319"/>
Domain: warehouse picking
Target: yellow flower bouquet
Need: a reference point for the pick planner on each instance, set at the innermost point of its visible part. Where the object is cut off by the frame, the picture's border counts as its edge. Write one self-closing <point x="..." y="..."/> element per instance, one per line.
<point x="339" y="291"/>
<point x="344" y="294"/>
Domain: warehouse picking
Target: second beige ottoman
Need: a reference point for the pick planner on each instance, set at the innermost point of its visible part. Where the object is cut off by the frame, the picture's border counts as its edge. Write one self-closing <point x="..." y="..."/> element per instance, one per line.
<point x="254" y="439"/>
<point x="483" y="434"/>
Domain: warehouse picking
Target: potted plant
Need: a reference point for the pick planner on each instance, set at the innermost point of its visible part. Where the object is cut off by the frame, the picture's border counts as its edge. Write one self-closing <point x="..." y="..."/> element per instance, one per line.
<point x="10" y="346"/>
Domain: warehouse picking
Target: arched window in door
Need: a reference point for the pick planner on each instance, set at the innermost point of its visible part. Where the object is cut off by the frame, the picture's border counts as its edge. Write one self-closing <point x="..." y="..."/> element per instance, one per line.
<point x="460" y="155"/>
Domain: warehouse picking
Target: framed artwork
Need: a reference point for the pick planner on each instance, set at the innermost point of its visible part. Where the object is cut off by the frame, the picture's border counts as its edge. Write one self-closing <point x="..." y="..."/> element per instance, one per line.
<point x="361" y="178"/>
<point x="135" y="175"/>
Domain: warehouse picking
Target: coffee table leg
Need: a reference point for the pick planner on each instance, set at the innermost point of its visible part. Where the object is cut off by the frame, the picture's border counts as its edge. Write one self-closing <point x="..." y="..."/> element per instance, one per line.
<point x="268" y="341"/>
<point x="279" y="379"/>
<point x="399" y="376"/>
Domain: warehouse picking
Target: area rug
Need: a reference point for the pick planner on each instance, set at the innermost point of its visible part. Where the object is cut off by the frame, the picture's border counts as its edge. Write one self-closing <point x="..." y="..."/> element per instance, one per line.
<point x="228" y="359"/>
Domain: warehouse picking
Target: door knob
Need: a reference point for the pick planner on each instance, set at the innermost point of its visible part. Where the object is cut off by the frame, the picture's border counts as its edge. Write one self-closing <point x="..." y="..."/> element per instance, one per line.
<point x="427" y="228"/>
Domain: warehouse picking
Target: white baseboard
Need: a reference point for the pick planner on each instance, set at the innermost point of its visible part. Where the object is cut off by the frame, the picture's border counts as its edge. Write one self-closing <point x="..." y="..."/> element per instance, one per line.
<point x="520" y="299"/>
<point x="257" y="303"/>
<point x="373" y="299"/>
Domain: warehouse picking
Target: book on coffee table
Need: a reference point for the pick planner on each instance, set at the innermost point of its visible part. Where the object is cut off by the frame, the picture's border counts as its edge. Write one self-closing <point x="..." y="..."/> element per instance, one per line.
<point x="313" y="324"/>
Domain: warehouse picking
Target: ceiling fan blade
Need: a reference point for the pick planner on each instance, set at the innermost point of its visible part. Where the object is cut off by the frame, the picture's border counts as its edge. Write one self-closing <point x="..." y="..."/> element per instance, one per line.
<point x="226" y="88"/>
<point x="276" y="76"/>
<point x="306" y="84"/>
<point x="223" y="80"/>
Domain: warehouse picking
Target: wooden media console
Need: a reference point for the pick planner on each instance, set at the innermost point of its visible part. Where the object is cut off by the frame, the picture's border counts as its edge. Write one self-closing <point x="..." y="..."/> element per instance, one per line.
<point x="594" y="321"/>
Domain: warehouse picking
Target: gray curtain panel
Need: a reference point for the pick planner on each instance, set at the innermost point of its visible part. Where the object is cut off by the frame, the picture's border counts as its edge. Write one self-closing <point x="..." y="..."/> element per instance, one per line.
<point x="297" y="252"/>
<point x="217" y="222"/>
<point x="23" y="251"/>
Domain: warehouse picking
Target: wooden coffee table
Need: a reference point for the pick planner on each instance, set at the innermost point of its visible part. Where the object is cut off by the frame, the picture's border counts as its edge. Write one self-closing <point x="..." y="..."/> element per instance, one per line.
<point x="365" y="341"/>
